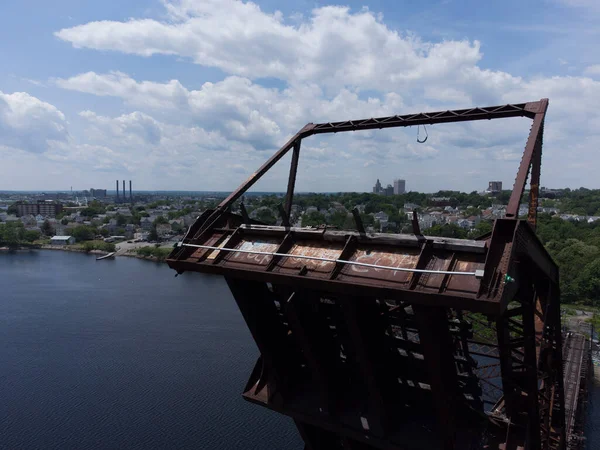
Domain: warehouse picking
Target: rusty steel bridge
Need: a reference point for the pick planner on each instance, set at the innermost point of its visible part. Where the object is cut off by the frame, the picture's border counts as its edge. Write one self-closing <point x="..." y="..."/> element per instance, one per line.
<point x="397" y="341"/>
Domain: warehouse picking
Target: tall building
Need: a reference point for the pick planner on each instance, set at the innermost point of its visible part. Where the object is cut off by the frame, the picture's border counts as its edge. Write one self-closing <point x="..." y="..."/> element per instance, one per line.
<point x="98" y="193"/>
<point x="42" y="208"/>
<point x="399" y="187"/>
<point x="377" y="189"/>
<point x="495" y="187"/>
<point x="389" y="190"/>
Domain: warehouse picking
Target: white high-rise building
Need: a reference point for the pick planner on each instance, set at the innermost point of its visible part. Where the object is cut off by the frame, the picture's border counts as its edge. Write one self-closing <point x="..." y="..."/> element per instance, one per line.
<point x="399" y="187"/>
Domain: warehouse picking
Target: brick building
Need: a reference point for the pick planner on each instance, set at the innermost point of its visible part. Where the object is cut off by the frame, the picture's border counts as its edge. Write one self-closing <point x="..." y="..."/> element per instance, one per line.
<point x="45" y="209"/>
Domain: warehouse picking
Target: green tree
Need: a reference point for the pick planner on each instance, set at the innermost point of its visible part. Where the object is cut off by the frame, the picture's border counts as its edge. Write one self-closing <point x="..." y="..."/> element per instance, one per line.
<point x="121" y="220"/>
<point x="588" y="283"/>
<point x="83" y="233"/>
<point x="449" y="230"/>
<point x="11" y="233"/>
<point x="47" y="228"/>
<point x="93" y="209"/>
<point x="153" y="235"/>
<point x="31" y="235"/>
<point x="265" y="215"/>
<point x="480" y="229"/>
<point x="313" y="219"/>
<point x="12" y="209"/>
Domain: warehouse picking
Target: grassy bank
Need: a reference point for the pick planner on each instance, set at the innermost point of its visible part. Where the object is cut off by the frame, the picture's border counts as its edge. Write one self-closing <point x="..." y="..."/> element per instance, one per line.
<point x="88" y="246"/>
<point x="158" y="253"/>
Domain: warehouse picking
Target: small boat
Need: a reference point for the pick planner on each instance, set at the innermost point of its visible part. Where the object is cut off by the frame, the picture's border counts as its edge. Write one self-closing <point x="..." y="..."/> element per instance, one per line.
<point x="109" y="255"/>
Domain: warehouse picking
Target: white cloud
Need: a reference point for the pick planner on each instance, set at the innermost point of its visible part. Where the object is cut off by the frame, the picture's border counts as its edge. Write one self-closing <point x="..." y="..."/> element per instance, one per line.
<point x="332" y="49"/>
<point x="143" y="144"/>
<point x="236" y="106"/>
<point x="30" y="124"/>
<point x="145" y="94"/>
<point x="335" y="64"/>
<point x="332" y="46"/>
<point x="592" y="70"/>
<point x="136" y="126"/>
<point x="247" y="116"/>
<point x="86" y="156"/>
<point x="585" y="4"/>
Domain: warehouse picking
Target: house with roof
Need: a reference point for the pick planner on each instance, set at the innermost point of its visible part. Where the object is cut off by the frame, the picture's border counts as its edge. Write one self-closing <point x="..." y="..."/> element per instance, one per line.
<point x="146" y="223"/>
<point x="163" y="229"/>
<point x="62" y="240"/>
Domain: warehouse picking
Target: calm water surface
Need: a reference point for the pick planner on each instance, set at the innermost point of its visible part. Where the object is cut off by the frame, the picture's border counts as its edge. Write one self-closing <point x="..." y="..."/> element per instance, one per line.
<point x="120" y="354"/>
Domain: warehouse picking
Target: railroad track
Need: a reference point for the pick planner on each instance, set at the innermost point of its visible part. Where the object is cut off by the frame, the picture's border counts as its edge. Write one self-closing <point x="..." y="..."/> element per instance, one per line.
<point x="573" y="360"/>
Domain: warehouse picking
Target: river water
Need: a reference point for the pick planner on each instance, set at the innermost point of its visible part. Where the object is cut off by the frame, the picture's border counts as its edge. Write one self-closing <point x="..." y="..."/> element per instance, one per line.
<point x="120" y="354"/>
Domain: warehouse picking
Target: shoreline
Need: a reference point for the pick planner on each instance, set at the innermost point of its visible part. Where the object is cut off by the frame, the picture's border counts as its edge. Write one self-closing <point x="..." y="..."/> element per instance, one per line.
<point x="94" y="252"/>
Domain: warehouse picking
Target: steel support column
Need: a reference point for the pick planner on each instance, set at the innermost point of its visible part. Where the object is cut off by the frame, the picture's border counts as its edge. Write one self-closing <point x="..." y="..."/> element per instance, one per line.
<point x="256" y="304"/>
<point x="309" y="332"/>
<point x="289" y="196"/>
<point x="534" y="186"/>
<point x="438" y="351"/>
<point x="530" y="384"/>
<point x="367" y="337"/>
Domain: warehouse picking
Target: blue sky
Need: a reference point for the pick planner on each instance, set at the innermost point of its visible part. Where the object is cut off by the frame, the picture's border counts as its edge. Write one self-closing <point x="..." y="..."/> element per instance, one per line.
<point x="196" y="95"/>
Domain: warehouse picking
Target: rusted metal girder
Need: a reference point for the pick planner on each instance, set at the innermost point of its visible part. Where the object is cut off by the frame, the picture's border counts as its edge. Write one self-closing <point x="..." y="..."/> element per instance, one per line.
<point x="397" y="341"/>
<point x="531" y="160"/>
<point x="533" y="110"/>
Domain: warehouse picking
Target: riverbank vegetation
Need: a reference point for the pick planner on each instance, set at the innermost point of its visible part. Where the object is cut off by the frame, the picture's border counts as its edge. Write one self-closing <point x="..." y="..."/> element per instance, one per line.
<point x="88" y="246"/>
<point x="160" y="253"/>
<point x="14" y="235"/>
<point x="575" y="247"/>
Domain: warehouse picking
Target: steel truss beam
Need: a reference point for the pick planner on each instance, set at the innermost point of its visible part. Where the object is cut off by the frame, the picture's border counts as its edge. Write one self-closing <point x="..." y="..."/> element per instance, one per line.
<point x="531" y="156"/>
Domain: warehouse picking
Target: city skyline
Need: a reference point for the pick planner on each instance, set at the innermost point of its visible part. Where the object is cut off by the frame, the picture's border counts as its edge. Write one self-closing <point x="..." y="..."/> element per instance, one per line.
<point x="90" y="92"/>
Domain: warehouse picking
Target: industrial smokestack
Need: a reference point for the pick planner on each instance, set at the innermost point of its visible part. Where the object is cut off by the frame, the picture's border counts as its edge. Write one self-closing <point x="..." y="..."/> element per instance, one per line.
<point x="124" y="192"/>
<point x="117" y="190"/>
<point x="130" y="194"/>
